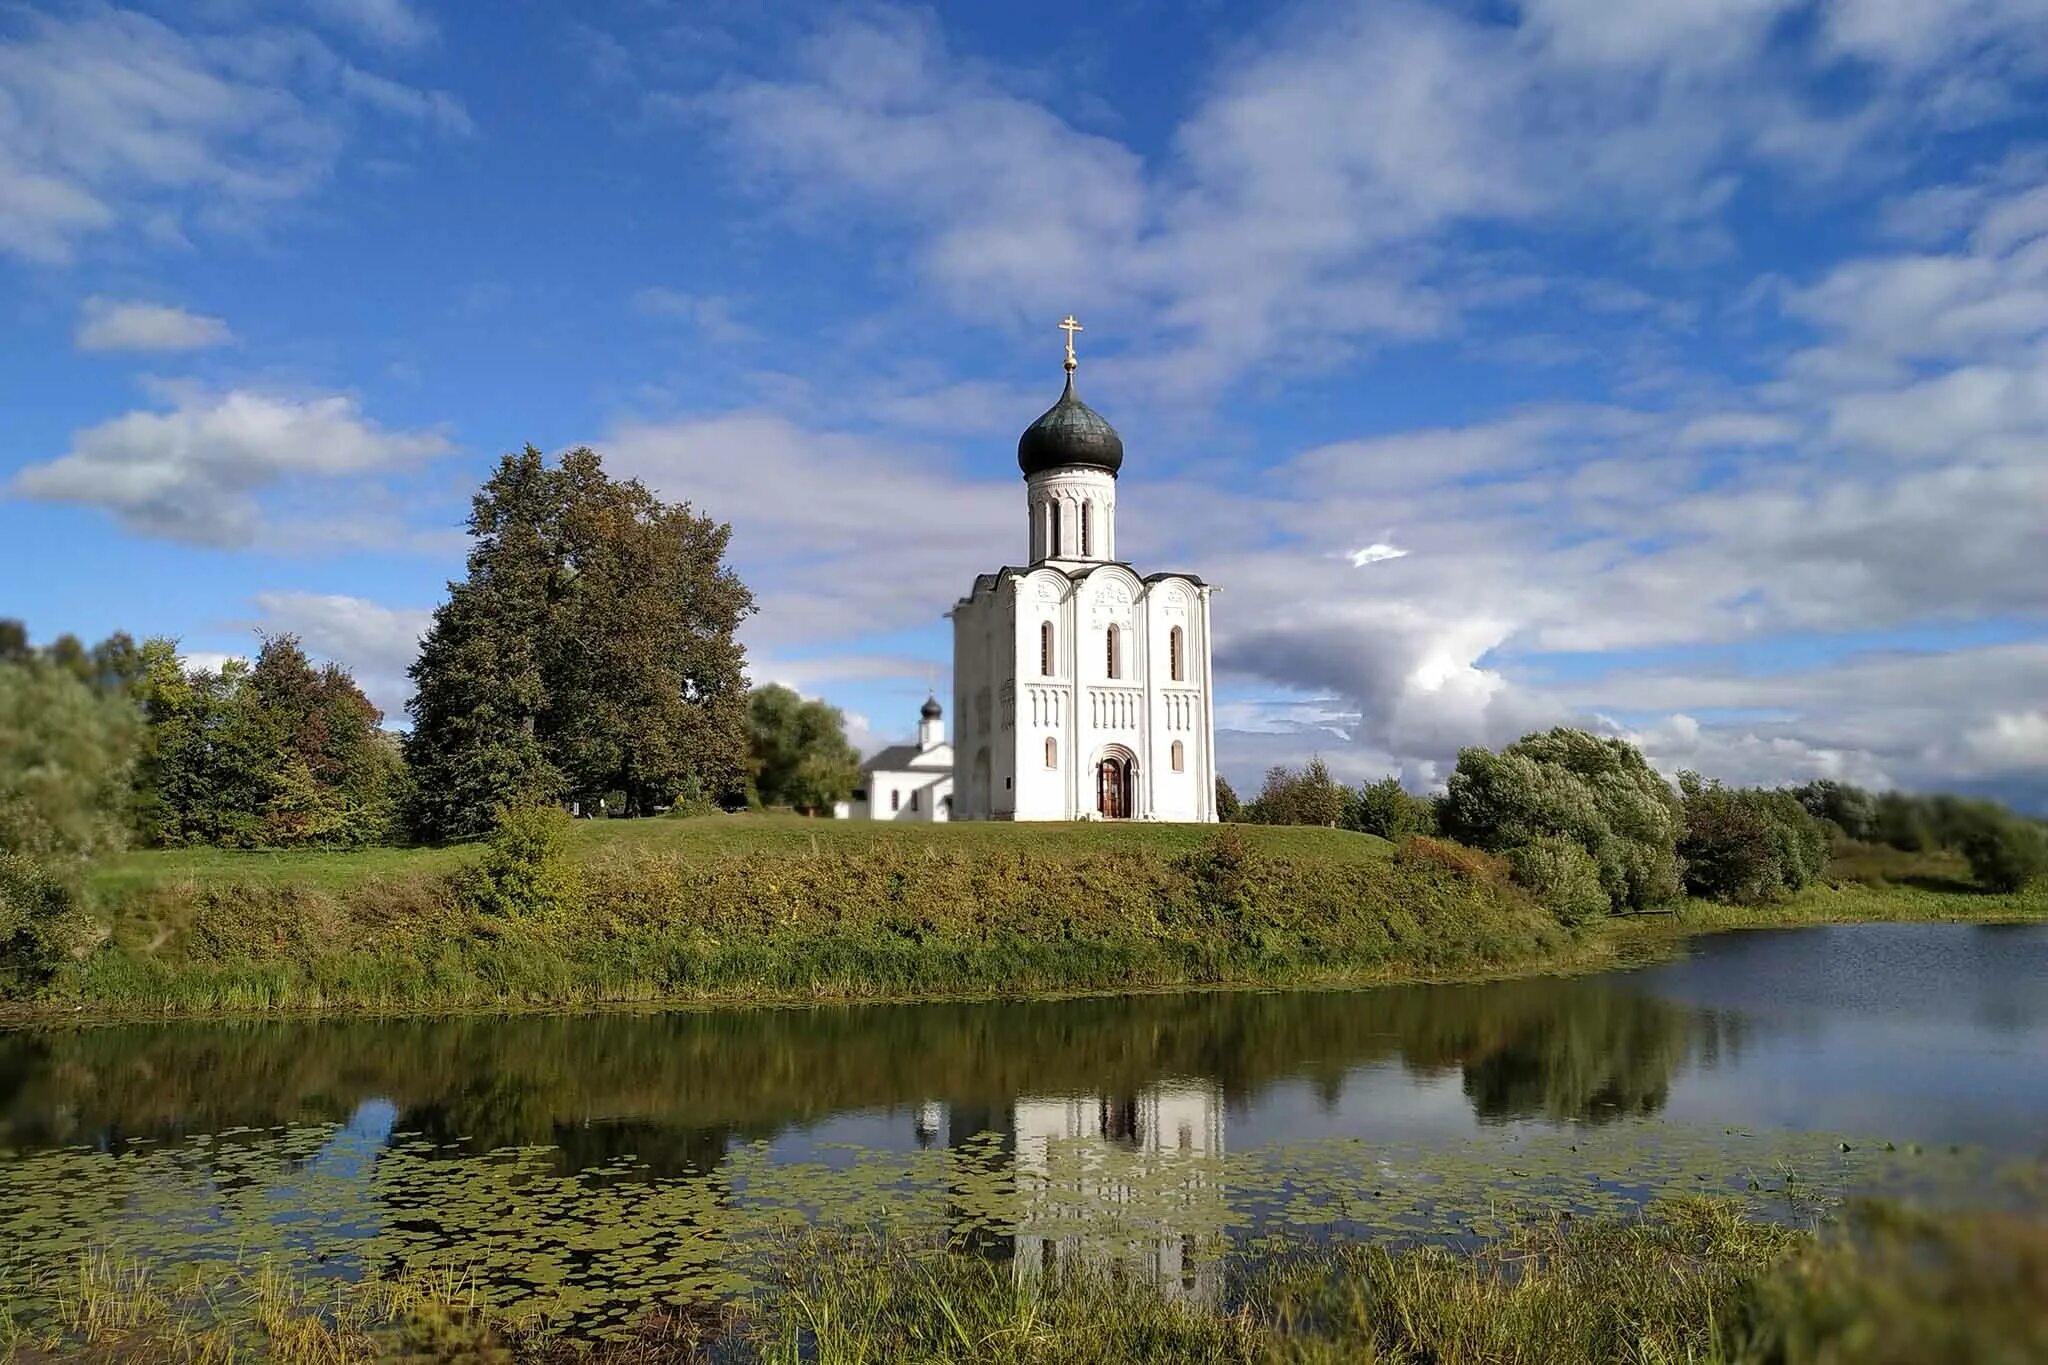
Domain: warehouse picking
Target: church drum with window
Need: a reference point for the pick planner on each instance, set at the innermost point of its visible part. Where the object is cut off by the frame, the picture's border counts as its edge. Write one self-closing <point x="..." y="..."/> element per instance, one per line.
<point x="1081" y="689"/>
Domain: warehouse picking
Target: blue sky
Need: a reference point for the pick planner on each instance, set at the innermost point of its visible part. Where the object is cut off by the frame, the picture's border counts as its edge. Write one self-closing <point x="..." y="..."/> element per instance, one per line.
<point x="1678" y="369"/>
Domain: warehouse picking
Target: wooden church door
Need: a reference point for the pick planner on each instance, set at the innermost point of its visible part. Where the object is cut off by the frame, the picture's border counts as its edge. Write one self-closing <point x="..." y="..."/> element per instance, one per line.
<point x="1113" y="789"/>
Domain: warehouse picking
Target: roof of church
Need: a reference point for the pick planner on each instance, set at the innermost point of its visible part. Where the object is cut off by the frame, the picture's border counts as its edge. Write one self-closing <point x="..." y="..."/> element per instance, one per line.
<point x="901" y="758"/>
<point x="1069" y="433"/>
<point x="982" y="580"/>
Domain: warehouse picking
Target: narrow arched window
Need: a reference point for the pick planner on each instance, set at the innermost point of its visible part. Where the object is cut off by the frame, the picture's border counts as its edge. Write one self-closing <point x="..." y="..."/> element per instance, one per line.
<point x="1114" y="671"/>
<point x="895" y="800"/>
<point x="1045" y="649"/>
<point x="1087" y="540"/>
<point x="1053" y="548"/>
<point x="1173" y="651"/>
<point x="1052" y="753"/>
<point x="1180" y="757"/>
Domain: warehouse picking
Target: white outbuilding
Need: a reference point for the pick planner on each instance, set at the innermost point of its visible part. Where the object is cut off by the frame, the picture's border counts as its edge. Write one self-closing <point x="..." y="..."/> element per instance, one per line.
<point x="1081" y="688"/>
<point x="909" y="781"/>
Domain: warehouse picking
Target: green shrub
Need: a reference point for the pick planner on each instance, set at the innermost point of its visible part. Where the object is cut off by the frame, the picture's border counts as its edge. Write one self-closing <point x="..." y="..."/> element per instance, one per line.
<point x="2006" y="852"/>
<point x="1849" y="808"/>
<point x="1747" y="845"/>
<point x="65" y="756"/>
<point x="1385" y="808"/>
<point x="1561" y="876"/>
<point x="1475" y="865"/>
<point x="1599" y="793"/>
<point x="1228" y="807"/>
<point x="1308" y="797"/>
<point x="1224" y="873"/>
<point x="528" y="871"/>
<point x="1902" y="821"/>
<point x="37" y="920"/>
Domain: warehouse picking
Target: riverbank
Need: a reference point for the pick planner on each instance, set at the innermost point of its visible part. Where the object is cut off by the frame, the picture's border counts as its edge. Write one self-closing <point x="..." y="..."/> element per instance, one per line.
<point x="766" y="909"/>
<point x="1694" y="1280"/>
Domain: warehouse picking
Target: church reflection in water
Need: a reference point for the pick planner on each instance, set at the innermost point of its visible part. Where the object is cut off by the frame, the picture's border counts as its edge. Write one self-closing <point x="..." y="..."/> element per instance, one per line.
<point x="1076" y="1134"/>
<point x="1128" y="1186"/>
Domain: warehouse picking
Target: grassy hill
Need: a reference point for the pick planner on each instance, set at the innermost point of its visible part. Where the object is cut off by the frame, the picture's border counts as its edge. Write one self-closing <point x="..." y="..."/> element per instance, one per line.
<point x="760" y="907"/>
<point x="714" y="837"/>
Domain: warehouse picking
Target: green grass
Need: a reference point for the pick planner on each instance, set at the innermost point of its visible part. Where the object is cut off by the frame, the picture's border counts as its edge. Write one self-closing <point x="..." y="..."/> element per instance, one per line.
<point x="711" y="837"/>
<point x="766" y="908"/>
<point x="777" y="908"/>
<point x="1692" y="1281"/>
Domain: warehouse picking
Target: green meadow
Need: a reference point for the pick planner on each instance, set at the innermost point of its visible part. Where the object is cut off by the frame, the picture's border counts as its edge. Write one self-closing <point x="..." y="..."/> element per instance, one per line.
<point x="765" y="907"/>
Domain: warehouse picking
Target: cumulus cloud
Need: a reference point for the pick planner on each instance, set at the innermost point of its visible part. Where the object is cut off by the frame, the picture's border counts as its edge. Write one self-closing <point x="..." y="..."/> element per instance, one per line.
<point x="1527" y="564"/>
<point x="194" y="473"/>
<point x="114" y="325"/>
<point x="839" y="535"/>
<point x="374" y="642"/>
<point x="1251" y="243"/>
<point x="109" y="115"/>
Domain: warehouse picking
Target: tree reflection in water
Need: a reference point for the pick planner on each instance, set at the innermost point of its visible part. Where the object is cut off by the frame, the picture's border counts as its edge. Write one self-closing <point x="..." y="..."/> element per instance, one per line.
<point x="677" y="1088"/>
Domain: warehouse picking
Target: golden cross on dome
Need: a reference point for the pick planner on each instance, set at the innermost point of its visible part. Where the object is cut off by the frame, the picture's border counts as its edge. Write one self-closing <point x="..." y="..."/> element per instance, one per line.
<point x="1069" y="326"/>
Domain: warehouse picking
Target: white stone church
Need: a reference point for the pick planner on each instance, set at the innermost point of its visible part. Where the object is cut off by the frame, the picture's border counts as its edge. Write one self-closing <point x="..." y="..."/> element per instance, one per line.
<point x="1081" y="689"/>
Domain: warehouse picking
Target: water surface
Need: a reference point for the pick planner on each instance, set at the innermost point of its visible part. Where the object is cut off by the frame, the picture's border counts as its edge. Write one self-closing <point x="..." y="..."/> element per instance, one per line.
<point x="597" y="1161"/>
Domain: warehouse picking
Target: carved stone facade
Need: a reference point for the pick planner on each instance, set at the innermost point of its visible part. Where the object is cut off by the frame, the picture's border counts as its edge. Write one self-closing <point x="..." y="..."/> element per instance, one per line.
<point x="1099" y="679"/>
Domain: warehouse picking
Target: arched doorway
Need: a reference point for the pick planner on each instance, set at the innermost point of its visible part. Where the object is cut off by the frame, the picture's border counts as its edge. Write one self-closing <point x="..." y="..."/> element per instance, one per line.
<point x="1116" y="793"/>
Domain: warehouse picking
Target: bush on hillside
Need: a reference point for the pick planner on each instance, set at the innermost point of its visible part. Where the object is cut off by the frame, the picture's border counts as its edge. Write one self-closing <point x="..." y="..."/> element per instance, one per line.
<point x="1849" y="808"/>
<point x="65" y="754"/>
<point x="528" y="871"/>
<point x="1561" y="876"/>
<point x="1747" y="845"/>
<point x="38" y="922"/>
<point x="1225" y="873"/>
<point x="1385" y="808"/>
<point x="1308" y="797"/>
<point x="1471" y="864"/>
<point x="1599" y="793"/>
<point x="1902" y="821"/>
<point x="2006" y="852"/>
<point x="1228" y="807"/>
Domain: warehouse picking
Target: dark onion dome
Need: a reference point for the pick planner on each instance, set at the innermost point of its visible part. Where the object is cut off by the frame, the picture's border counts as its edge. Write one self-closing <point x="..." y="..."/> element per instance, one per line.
<point x="1070" y="433"/>
<point x="931" y="709"/>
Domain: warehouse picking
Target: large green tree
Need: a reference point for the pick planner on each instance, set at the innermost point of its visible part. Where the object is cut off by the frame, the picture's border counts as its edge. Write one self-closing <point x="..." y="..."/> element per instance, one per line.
<point x="65" y="752"/>
<point x="589" y="649"/>
<point x="276" y="752"/>
<point x="800" y="755"/>
<point x="1599" y="793"/>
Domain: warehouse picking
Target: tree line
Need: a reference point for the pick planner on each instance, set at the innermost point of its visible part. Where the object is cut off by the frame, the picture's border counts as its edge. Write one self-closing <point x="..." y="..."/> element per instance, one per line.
<point x="1588" y="827"/>
<point x="587" y="658"/>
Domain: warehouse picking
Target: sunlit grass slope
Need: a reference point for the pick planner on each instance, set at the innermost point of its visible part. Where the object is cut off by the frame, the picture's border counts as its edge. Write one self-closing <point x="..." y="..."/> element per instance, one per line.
<point x="755" y="908"/>
<point x="717" y="837"/>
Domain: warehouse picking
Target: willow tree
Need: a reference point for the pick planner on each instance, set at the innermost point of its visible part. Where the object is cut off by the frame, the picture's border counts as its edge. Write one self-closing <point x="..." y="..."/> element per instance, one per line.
<point x="589" y="650"/>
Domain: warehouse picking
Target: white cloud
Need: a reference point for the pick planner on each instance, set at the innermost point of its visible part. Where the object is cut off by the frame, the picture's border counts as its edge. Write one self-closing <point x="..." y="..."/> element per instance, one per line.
<point x="839" y="535"/>
<point x="108" y="116"/>
<point x="193" y="473"/>
<point x="393" y="23"/>
<point x="114" y="325"/>
<point x="374" y="642"/>
<point x="1312" y="197"/>
<point x="1375" y="553"/>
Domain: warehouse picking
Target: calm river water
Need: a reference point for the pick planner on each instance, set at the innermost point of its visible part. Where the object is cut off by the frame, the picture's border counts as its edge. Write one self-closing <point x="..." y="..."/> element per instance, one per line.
<point x="595" y="1162"/>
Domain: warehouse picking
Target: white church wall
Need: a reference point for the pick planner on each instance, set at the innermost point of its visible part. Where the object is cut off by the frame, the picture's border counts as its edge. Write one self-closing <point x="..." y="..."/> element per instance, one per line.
<point x="910" y="795"/>
<point x="1043" y="705"/>
<point x="1178" y="707"/>
<point x="1089" y="535"/>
